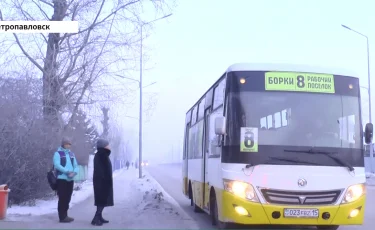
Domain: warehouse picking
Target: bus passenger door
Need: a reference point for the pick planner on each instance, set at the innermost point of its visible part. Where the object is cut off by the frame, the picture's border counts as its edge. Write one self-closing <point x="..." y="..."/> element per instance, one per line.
<point x="206" y="190"/>
<point x="185" y="162"/>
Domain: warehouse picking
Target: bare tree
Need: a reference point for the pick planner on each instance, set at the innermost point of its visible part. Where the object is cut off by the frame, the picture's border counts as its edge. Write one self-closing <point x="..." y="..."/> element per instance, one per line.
<point x="105" y="123"/>
<point x="51" y="75"/>
<point x="71" y="63"/>
<point x="26" y="142"/>
<point x="116" y="139"/>
<point x="150" y="105"/>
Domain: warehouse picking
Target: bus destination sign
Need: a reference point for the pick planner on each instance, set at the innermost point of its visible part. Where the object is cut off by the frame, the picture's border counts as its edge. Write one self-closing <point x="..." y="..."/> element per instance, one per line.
<point x="301" y="82"/>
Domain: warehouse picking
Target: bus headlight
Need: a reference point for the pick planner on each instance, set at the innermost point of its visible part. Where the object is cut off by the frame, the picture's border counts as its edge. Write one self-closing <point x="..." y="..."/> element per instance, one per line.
<point x="241" y="189"/>
<point x="354" y="192"/>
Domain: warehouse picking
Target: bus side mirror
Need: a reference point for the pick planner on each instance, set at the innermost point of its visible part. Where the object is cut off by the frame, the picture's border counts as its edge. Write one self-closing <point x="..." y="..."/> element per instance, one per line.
<point x="369" y="133"/>
<point x="220" y="125"/>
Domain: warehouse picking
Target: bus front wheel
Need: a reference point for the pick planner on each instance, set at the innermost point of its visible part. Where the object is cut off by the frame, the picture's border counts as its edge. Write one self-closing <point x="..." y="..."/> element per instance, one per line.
<point x="214" y="212"/>
<point x="328" y="227"/>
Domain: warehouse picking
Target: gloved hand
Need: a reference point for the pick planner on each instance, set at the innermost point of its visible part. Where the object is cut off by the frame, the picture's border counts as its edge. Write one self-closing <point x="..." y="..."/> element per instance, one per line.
<point x="71" y="174"/>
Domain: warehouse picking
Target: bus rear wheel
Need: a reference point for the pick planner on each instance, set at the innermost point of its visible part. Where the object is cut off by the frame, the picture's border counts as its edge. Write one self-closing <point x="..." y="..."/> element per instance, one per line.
<point x="328" y="227"/>
<point x="214" y="212"/>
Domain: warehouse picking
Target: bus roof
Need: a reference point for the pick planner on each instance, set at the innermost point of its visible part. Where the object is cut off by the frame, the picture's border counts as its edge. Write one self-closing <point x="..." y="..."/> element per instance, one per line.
<point x="289" y="68"/>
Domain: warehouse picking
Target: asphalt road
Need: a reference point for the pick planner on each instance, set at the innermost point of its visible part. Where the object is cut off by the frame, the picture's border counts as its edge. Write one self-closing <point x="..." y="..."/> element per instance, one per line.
<point x="169" y="176"/>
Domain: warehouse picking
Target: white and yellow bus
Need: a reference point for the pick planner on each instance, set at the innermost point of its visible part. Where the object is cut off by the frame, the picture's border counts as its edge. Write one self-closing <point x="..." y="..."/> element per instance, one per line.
<point x="278" y="144"/>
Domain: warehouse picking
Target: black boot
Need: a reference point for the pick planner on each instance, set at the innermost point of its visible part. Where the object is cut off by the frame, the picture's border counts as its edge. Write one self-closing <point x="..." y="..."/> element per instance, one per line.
<point x="67" y="220"/>
<point x="96" y="221"/>
<point x="104" y="221"/>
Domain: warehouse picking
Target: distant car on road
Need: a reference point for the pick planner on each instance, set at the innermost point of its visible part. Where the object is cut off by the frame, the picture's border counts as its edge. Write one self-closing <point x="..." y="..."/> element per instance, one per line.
<point x="144" y="163"/>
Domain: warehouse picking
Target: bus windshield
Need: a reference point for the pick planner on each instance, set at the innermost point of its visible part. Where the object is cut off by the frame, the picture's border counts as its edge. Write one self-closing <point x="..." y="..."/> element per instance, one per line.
<point x="297" y="119"/>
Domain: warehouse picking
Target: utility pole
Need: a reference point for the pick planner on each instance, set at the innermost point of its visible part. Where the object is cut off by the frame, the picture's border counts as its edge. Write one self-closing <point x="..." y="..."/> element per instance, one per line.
<point x="140" y="93"/>
<point x="368" y="90"/>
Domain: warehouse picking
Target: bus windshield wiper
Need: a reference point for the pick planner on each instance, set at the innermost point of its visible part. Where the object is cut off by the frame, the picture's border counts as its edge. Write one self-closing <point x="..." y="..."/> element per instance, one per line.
<point x="328" y="154"/>
<point x="292" y="160"/>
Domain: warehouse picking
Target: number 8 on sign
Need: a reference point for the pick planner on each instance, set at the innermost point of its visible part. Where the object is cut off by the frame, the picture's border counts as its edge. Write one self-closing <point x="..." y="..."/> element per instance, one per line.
<point x="300" y="81"/>
<point x="249" y="139"/>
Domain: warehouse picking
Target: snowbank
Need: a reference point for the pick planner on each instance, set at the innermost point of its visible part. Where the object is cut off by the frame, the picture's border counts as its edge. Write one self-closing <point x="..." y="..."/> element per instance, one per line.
<point x="155" y="208"/>
<point x="370" y="175"/>
<point x="155" y="197"/>
<point x="81" y="192"/>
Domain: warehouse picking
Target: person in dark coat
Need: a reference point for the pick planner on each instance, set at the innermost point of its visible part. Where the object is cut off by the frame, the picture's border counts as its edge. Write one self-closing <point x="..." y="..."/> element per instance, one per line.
<point x="103" y="181"/>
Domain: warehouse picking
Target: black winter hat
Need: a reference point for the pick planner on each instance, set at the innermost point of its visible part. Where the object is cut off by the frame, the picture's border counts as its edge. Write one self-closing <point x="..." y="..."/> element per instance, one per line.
<point x="101" y="143"/>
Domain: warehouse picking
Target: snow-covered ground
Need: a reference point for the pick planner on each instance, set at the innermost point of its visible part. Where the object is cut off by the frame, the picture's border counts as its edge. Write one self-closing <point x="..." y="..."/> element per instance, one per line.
<point x="370" y="179"/>
<point x="140" y="203"/>
<point x="81" y="192"/>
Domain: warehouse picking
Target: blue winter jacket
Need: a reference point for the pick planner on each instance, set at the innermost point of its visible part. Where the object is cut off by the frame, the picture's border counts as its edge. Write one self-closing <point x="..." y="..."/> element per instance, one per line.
<point x="69" y="167"/>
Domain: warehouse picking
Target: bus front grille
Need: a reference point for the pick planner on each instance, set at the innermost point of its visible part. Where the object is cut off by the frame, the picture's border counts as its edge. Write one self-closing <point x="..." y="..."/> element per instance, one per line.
<point x="300" y="198"/>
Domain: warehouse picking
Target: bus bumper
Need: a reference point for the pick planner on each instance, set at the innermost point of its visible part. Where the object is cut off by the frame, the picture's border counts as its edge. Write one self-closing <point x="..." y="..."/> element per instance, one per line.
<point x="262" y="213"/>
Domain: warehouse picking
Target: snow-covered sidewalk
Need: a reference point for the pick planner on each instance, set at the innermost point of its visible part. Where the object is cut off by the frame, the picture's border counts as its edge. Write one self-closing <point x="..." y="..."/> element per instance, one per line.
<point x="139" y="204"/>
<point x="82" y="191"/>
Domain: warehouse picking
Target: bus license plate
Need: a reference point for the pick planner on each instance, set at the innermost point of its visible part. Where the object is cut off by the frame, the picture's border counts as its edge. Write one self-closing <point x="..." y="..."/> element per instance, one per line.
<point x="301" y="213"/>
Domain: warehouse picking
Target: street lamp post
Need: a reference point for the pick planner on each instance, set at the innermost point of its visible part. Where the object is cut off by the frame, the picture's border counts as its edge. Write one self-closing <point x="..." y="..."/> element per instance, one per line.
<point x="368" y="89"/>
<point x="140" y="92"/>
<point x="140" y="114"/>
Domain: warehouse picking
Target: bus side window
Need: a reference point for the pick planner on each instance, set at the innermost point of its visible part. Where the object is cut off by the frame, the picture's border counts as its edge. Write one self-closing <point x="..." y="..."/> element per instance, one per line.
<point x="219" y="93"/>
<point x="186" y="142"/>
<point x="198" y="140"/>
<point x="207" y="132"/>
<point x="213" y="148"/>
<point x="200" y="124"/>
<point x="184" y="153"/>
<point x="201" y="109"/>
<point x="194" y="116"/>
<point x="191" y="147"/>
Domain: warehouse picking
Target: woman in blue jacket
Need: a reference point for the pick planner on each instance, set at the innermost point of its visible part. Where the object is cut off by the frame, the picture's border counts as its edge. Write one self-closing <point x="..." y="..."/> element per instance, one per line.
<point x="66" y="165"/>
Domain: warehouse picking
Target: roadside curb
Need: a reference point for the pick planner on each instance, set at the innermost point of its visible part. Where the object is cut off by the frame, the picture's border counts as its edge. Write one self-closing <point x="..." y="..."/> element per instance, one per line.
<point x="172" y="201"/>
